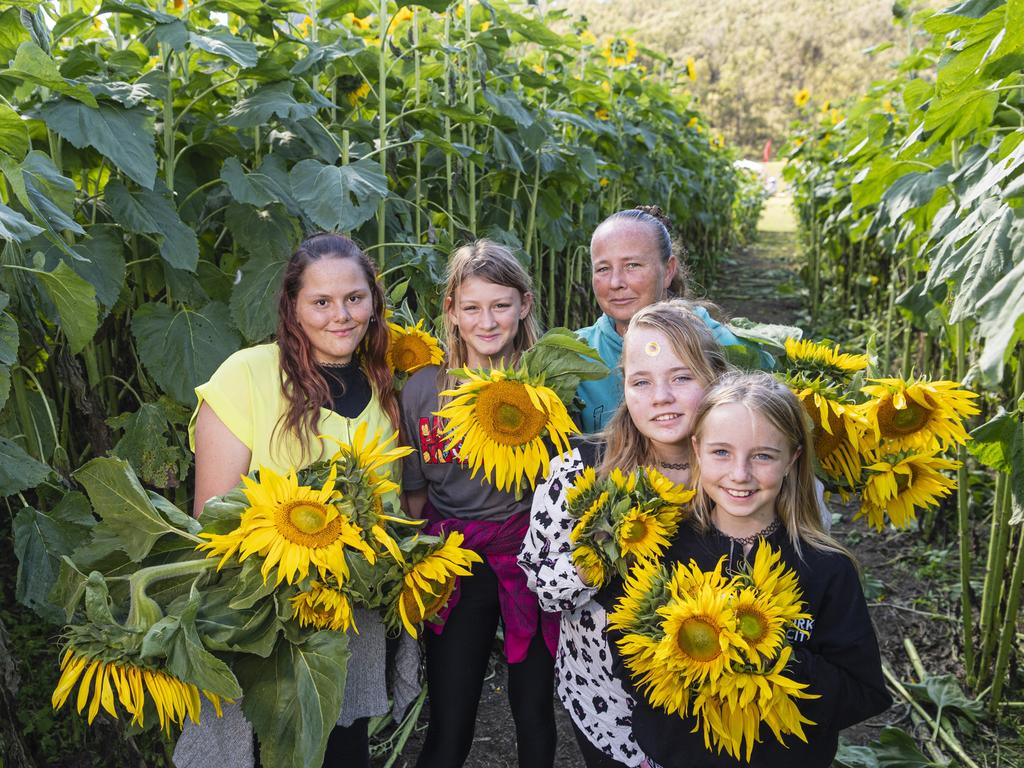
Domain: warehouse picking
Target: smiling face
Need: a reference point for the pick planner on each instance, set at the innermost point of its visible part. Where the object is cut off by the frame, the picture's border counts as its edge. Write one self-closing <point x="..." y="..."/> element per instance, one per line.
<point x="743" y="460"/>
<point x="628" y="273"/>
<point x="661" y="390"/>
<point x="487" y="316"/>
<point x="333" y="307"/>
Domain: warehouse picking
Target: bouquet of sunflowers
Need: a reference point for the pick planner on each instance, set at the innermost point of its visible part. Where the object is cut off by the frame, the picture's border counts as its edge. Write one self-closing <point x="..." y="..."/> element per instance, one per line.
<point x="252" y="601"/>
<point x="713" y="647"/>
<point x="621" y="520"/>
<point x="884" y="438"/>
<point x="503" y="420"/>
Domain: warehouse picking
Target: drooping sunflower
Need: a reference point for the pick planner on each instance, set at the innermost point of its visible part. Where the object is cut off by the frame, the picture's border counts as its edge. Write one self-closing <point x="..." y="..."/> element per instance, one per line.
<point x="644" y="535"/>
<point x="670" y="493"/>
<point x="98" y="681"/>
<point x="324" y="608"/>
<point x="815" y="360"/>
<point x="591" y="565"/>
<point x="645" y="588"/>
<point x="584" y="526"/>
<point x="839" y="428"/>
<point x="412" y="348"/>
<point x="700" y="641"/>
<point x="499" y="424"/>
<point x="897" y="485"/>
<point x="429" y="581"/>
<point x="293" y="528"/>
<point x="919" y="415"/>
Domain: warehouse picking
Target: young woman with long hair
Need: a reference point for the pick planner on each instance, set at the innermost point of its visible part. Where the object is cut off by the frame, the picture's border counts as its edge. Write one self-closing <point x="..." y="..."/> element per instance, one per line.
<point x="265" y="406"/>
<point x="755" y="487"/>
<point x="669" y="359"/>
<point x="488" y="318"/>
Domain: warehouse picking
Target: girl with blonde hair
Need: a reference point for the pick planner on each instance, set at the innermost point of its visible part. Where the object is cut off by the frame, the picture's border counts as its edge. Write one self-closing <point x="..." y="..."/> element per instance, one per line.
<point x="669" y="358"/>
<point x="488" y="303"/>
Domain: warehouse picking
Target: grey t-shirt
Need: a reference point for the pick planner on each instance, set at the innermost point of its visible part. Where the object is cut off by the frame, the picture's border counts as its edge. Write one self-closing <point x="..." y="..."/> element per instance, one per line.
<point x="437" y="468"/>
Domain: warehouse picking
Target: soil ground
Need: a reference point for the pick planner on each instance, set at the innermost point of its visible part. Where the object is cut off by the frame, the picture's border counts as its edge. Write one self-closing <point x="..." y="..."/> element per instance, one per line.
<point x="912" y="588"/>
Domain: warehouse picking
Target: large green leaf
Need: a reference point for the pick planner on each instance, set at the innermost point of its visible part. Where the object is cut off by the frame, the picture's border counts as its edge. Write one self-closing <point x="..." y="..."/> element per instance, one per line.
<point x="157" y="459"/>
<point x="293" y="697"/>
<point x="32" y="64"/>
<point x="268" y="232"/>
<point x="176" y="639"/>
<point x="75" y="301"/>
<point x="220" y="42"/>
<point x="945" y="693"/>
<point x="41" y="188"/>
<point x="40" y="540"/>
<point x="181" y="349"/>
<point x="1001" y="322"/>
<point x="8" y="349"/>
<point x="152" y="212"/>
<point x="124" y="507"/>
<point x="14" y="134"/>
<point x="102" y="262"/>
<point x="251" y="188"/>
<point x="125" y="136"/>
<point x="999" y="443"/>
<point x="893" y="749"/>
<point x="14" y="226"/>
<point x="338" y="198"/>
<point x="254" y="297"/>
<point x="12" y="33"/>
<point x="18" y="470"/>
<point x="267" y="101"/>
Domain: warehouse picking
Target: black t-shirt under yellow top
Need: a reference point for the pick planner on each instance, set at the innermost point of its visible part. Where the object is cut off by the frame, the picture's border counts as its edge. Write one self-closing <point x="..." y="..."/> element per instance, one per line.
<point x="350" y="389"/>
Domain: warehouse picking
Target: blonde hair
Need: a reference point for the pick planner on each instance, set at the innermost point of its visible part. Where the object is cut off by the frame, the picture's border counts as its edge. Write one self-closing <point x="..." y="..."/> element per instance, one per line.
<point x="796" y="504"/>
<point x="691" y="341"/>
<point x="494" y="263"/>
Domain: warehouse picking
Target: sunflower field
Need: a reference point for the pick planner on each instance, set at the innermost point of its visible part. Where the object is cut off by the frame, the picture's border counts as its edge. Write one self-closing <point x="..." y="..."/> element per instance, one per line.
<point x="159" y="161"/>
<point x="909" y="201"/>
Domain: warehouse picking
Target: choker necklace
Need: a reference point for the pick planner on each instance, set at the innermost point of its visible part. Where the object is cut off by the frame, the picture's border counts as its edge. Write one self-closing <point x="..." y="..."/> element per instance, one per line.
<point x="765" y="532"/>
<point x="349" y="364"/>
<point x="669" y="465"/>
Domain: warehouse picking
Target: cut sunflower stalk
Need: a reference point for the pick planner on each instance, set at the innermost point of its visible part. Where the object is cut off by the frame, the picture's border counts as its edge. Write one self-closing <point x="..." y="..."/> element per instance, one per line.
<point x="502" y="420"/>
<point x="712" y="646"/>
<point x="622" y="519"/>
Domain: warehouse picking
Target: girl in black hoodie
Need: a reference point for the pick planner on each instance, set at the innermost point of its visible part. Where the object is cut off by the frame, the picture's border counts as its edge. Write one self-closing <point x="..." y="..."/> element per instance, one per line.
<point x="754" y="477"/>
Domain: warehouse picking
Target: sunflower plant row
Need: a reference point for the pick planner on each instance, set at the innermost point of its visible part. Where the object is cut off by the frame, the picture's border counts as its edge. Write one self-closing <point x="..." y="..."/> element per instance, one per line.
<point x="249" y="601"/>
<point x="713" y="647"/>
<point x="621" y="520"/>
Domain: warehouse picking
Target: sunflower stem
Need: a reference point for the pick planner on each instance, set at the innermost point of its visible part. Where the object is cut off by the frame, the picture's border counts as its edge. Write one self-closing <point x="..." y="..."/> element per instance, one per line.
<point x="998" y="546"/>
<point x="963" y="515"/>
<point x="1008" y="637"/>
<point x="144" y="611"/>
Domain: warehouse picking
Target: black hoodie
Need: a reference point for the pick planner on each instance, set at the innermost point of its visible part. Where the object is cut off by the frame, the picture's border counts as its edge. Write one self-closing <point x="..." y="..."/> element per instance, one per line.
<point x="836" y="652"/>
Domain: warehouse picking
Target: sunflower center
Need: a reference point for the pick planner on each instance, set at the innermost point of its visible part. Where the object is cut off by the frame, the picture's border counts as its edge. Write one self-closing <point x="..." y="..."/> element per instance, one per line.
<point x="633" y="531"/>
<point x="411" y="353"/>
<point x="433" y="599"/>
<point x="752" y="625"/>
<point x="895" y="422"/>
<point x="698" y="639"/>
<point x="904" y="481"/>
<point x="507" y="415"/>
<point x="307" y="523"/>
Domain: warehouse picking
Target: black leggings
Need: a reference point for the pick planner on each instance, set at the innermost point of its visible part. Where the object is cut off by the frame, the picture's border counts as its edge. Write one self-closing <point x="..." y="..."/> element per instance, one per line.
<point x="593" y="756"/>
<point x="456" y="665"/>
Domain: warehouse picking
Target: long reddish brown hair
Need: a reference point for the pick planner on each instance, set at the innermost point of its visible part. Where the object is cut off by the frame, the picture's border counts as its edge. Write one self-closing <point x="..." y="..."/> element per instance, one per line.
<point x="304" y="387"/>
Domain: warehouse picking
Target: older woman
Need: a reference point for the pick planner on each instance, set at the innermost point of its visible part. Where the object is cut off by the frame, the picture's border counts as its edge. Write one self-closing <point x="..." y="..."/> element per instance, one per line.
<point x="633" y="266"/>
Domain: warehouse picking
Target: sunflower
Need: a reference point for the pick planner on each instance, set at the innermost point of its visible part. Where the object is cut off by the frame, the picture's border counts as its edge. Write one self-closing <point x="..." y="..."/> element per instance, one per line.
<point x="644" y="589"/>
<point x="403" y="15"/>
<point x="412" y="348"/>
<point x="759" y="623"/>
<point x="292" y="527"/>
<point x="769" y="576"/>
<point x="897" y="485"/>
<point x="499" y="425"/>
<point x="816" y="359"/>
<point x="624" y="481"/>
<point x="644" y="535"/>
<point x="324" y="608"/>
<point x="370" y="455"/>
<point x="669" y="492"/>
<point x="357" y="94"/>
<point x="582" y="486"/>
<point x="838" y="428"/>
<point x="691" y="69"/>
<point x="801" y="97"/>
<point x="101" y="679"/>
<point x="429" y="582"/>
<point x="591" y="566"/>
<point x="699" y="640"/>
<point x="590" y="516"/>
<point x="919" y="414"/>
<point x="620" y="51"/>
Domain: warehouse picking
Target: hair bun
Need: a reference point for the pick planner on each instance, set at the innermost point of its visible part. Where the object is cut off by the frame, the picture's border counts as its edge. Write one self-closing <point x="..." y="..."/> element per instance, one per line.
<point x="656" y="212"/>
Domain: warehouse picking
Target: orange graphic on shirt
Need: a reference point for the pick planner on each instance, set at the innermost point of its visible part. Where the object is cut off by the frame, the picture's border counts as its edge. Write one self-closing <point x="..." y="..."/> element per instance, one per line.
<point x="433" y="447"/>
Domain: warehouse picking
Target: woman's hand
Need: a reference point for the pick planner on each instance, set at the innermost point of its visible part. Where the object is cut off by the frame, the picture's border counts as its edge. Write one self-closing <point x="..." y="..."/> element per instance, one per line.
<point x="221" y="458"/>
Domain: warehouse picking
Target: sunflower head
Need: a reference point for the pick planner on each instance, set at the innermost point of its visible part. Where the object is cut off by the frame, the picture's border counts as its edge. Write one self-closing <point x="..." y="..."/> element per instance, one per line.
<point x="918" y="414"/>
<point x="499" y="420"/>
<point x="591" y="519"/>
<point x="642" y="534"/>
<point x="644" y="589"/>
<point x="412" y="348"/>
<point x="898" y="485"/>
<point x="667" y="491"/>
<point x="323" y="607"/>
<point x="582" y="488"/>
<point x="429" y="581"/>
<point x="815" y="360"/>
<point x="591" y="565"/>
<point x="838" y="428"/>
